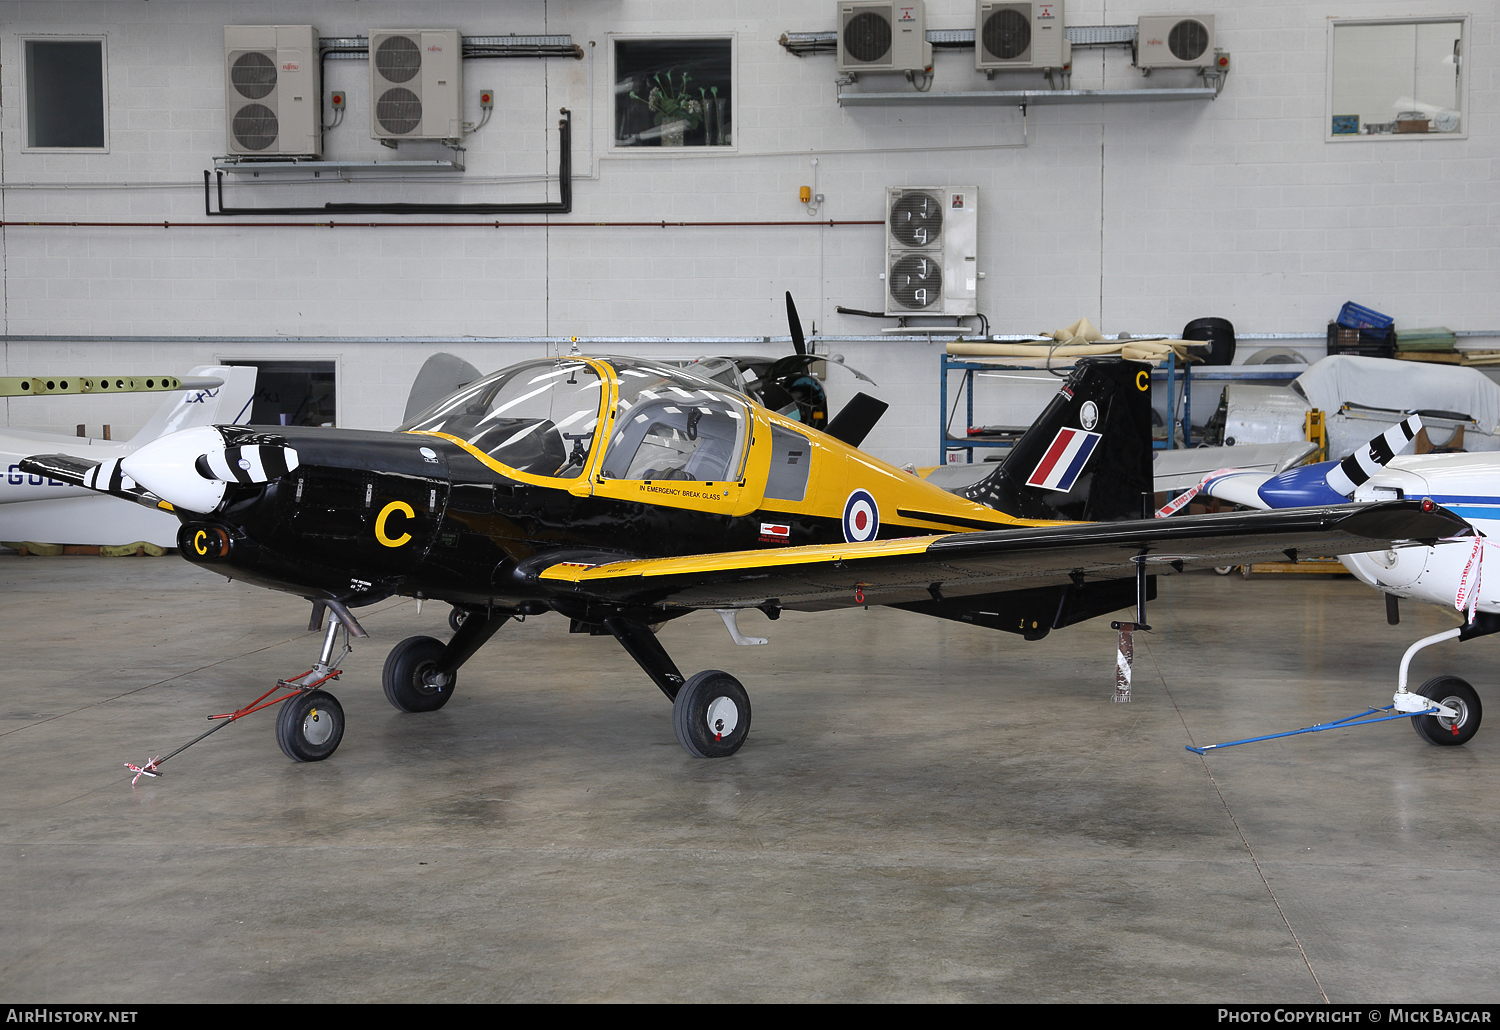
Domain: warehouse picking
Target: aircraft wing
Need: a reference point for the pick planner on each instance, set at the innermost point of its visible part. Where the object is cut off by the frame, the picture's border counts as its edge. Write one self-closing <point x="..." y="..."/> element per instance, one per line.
<point x="827" y="576"/>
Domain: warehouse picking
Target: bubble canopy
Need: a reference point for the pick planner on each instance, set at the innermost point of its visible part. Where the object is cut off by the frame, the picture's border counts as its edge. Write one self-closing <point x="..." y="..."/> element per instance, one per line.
<point x="543" y="418"/>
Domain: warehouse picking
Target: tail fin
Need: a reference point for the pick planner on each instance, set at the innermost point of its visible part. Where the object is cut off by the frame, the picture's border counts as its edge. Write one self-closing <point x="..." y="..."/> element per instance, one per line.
<point x="1088" y="457"/>
<point x="224" y="405"/>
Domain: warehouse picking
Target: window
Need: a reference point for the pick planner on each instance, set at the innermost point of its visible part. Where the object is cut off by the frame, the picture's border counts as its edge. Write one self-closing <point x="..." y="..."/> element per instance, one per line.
<point x="65" y="94"/>
<point x="672" y="425"/>
<point x="673" y="93"/>
<point x="538" y="418"/>
<point x="292" y="393"/>
<point x="1396" y="78"/>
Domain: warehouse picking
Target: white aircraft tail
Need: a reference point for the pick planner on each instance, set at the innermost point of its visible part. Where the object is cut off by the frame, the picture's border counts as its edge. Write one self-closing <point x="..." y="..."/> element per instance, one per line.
<point x="224" y="405"/>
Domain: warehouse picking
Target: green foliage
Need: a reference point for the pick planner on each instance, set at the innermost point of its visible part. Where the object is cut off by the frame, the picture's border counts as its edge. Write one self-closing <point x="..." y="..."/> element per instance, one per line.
<point x="670" y="101"/>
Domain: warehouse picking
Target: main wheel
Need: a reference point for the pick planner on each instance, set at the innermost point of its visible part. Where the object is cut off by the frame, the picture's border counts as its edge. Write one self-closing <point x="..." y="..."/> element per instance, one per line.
<point x="711" y="715"/>
<point x="310" y="726"/>
<point x="1462" y="698"/>
<point x="407" y="675"/>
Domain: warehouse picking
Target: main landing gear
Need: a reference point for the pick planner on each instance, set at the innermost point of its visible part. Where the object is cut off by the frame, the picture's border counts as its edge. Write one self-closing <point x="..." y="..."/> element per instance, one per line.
<point x="710" y="711"/>
<point x="421" y="672"/>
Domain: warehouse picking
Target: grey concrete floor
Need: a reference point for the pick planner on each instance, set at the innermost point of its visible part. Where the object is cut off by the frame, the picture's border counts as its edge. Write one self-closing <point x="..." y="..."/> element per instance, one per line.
<point x="923" y="811"/>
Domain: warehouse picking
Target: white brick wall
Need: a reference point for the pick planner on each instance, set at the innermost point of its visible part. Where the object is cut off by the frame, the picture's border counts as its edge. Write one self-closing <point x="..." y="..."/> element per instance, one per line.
<point x="1137" y="216"/>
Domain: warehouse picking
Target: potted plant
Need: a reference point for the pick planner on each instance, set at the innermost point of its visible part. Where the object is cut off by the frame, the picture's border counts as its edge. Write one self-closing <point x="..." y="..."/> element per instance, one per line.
<point x="671" y="106"/>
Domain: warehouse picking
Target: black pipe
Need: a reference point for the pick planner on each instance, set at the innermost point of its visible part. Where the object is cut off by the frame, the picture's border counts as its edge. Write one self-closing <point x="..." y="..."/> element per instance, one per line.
<point x="564" y="205"/>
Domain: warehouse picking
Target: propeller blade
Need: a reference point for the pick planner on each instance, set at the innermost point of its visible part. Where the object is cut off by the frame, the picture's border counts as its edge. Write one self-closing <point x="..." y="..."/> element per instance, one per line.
<point x="1350" y="473"/>
<point x="799" y="342"/>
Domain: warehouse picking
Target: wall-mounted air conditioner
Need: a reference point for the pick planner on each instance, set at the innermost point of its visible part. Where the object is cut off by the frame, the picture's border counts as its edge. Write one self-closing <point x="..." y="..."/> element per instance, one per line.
<point x="416" y="84"/>
<point x="931" y="236"/>
<point x="272" y="98"/>
<point x="1019" y="35"/>
<point x="1175" y="41"/>
<point x="883" y="37"/>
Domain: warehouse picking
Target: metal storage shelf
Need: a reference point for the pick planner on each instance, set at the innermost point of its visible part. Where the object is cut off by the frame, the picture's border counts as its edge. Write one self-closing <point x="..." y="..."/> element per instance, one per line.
<point x="1175" y="376"/>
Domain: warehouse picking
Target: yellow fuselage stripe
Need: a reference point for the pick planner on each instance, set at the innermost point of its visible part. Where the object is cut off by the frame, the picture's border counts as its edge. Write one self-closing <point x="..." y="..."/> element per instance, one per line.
<point x="770" y="558"/>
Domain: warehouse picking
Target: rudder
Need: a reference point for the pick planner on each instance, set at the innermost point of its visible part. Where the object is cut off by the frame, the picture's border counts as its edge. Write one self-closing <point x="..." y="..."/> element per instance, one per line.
<point x="1088" y="456"/>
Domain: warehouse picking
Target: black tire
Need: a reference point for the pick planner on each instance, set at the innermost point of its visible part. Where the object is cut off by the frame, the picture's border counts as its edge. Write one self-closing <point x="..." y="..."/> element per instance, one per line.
<point x="404" y="676"/>
<point x="711" y="715"/>
<point x="1456" y="694"/>
<point x="456" y="618"/>
<point x="310" y="726"/>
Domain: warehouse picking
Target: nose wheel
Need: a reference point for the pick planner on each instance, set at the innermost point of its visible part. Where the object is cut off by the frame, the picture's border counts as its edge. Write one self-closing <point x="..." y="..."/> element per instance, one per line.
<point x="711" y="715"/>
<point x="1456" y="694"/>
<point x="310" y="726"/>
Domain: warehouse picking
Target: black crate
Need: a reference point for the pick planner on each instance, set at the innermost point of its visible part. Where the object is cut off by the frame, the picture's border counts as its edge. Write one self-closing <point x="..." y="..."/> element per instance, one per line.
<point x="1367" y="343"/>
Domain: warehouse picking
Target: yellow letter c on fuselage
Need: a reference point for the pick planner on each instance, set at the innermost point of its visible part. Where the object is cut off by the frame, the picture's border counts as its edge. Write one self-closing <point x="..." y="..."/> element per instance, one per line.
<point x="385" y="513"/>
<point x="1143" y="381"/>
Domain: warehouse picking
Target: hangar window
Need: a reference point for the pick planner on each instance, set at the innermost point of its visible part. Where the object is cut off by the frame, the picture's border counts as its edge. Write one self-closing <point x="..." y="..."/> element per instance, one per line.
<point x="673" y="93"/>
<point x="291" y="393"/>
<point x="1394" y="79"/>
<point x="66" y="87"/>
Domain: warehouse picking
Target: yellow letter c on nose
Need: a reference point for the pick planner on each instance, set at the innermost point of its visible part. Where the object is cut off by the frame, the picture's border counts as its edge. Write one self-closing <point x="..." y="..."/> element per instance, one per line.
<point x="198" y="539"/>
<point x="385" y="513"/>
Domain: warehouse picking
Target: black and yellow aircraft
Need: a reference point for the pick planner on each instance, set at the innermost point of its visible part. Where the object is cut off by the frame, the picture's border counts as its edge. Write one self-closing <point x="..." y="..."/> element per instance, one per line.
<point x="622" y="493"/>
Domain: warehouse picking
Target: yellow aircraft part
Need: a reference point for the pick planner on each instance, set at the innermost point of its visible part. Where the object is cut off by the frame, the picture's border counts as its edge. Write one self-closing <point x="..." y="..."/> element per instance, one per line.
<point x="37" y="386"/>
<point x="729" y="561"/>
<point x="835" y="472"/>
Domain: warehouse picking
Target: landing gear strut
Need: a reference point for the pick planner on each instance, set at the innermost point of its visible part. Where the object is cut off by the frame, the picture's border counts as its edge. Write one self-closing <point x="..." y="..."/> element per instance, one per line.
<point x="310" y="724"/>
<point x="710" y="711"/>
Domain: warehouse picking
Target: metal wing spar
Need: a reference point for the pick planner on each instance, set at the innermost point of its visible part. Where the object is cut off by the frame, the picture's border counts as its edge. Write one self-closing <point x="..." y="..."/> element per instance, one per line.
<point x="827" y="576"/>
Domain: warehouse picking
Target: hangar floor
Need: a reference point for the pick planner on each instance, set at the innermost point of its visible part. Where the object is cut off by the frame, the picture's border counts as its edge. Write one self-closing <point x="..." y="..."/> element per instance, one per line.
<point x="924" y="811"/>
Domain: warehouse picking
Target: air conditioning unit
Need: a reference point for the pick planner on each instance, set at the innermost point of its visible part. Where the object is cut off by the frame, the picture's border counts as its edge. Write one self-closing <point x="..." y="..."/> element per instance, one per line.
<point x="1019" y="35"/>
<point x="1175" y="41"/>
<point x="931" y="236"/>
<point x="416" y="84"/>
<point x="272" y="97"/>
<point x="883" y="37"/>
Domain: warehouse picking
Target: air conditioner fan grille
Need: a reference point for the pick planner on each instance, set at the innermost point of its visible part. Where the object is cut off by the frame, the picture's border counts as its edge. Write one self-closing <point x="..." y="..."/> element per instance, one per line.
<point x="917" y="219"/>
<point x="916" y="281"/>
<point x="867" y="37"/>
<point x="399" y="111"/>
<point x="253" y="75"/>
<point x="398" y="59"/>
<point x="255" y="127"/>
<point x="1006" y="34"/>
<point x="1188" y="40"/>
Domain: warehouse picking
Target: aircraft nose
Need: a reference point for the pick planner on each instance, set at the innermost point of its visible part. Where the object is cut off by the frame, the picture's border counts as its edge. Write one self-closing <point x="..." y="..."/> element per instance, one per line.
<point x="191" y="469"/>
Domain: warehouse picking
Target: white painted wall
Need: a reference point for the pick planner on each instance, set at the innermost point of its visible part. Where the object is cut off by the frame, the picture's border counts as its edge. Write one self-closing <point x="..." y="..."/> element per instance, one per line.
<point x="1137" y="216"/>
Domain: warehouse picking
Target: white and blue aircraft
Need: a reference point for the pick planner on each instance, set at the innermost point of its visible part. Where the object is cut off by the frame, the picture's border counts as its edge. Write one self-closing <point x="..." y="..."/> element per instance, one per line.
<point x="1449" y="573"/>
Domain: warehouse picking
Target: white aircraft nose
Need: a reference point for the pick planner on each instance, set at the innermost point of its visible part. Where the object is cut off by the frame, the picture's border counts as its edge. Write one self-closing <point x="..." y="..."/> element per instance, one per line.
<point x="167" y="467"/>
<point x="190" y="469"/>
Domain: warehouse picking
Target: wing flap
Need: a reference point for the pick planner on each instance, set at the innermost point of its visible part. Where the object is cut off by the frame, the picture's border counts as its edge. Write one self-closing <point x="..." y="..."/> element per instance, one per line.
<point x="821" y="577"/>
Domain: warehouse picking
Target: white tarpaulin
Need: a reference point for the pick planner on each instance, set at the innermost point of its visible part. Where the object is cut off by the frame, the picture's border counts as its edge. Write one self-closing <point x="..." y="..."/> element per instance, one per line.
<point x="1400" y="386"/>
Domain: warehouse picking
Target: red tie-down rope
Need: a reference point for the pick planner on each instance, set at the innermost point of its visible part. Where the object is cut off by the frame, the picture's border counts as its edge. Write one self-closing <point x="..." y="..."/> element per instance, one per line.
<point x="293" y="687"/>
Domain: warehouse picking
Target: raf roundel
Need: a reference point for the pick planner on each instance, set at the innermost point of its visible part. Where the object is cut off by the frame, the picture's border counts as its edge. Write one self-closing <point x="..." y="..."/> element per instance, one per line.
<point x="861" y="517"/>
